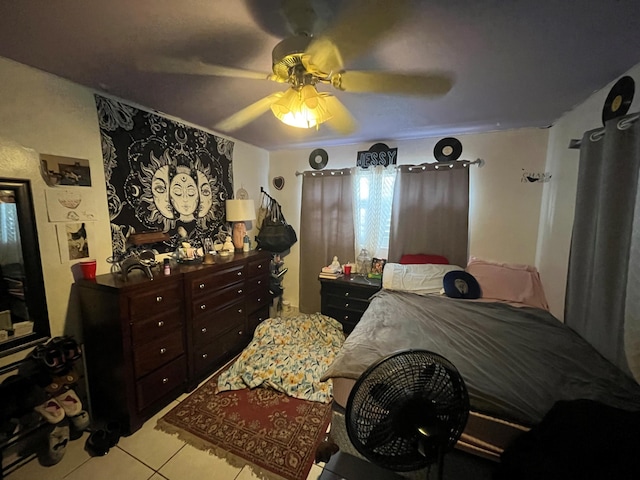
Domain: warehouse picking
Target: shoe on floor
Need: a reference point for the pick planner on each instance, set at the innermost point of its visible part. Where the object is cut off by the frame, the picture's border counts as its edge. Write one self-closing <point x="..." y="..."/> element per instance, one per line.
<point x="57" y="445"/>
<point x="97" y="444"/>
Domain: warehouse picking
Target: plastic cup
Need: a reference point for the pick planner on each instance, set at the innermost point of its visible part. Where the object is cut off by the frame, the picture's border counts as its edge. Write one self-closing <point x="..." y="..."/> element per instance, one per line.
<point x="347" y="269"/>
<point x="88" y="269"/>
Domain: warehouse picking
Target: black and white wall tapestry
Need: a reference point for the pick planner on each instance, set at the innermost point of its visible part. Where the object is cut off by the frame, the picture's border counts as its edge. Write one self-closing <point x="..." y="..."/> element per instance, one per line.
<point x="162" y="175"/>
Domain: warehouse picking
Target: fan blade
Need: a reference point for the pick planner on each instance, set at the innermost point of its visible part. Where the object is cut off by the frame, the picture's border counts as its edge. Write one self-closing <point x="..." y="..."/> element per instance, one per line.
<point x="163" y="64"/>
<point x="341" y="120"/>
<point x="360" y="27"/>
<point x="422" y="84"/>
<point x="248" y="114"/>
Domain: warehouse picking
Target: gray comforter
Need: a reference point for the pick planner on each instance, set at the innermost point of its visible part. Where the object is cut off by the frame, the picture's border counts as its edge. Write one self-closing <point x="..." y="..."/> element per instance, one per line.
<point x="516" y="361"/>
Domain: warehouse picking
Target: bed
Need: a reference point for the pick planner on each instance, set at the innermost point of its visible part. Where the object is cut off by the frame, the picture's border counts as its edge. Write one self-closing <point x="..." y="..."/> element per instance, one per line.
<point x="516" y="358"/>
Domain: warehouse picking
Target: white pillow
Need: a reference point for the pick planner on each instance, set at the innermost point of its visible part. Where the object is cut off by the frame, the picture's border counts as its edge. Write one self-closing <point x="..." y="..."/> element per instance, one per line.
<point x="423" y="279"/>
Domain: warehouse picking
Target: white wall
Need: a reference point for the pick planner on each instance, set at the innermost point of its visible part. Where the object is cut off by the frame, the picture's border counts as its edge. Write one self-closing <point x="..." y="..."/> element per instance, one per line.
<point x="42" y="113"/>
<point x="504" y="211"/>
<point x="558" y="203"/>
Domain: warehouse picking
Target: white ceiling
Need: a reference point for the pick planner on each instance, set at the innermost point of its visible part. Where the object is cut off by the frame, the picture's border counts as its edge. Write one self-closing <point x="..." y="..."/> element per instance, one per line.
<point x="516" y="63"/>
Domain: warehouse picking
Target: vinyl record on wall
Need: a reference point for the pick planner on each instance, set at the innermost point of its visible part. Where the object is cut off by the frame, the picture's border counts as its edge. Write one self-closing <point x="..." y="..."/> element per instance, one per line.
<point x="619" y="99"/>
<point x="448" y="149"/>
<point x="318" y="159"/>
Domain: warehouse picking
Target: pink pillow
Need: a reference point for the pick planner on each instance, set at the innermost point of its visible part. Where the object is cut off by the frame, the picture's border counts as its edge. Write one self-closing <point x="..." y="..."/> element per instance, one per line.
<point x="508" y="282"/>
<point x="421" y="258"/>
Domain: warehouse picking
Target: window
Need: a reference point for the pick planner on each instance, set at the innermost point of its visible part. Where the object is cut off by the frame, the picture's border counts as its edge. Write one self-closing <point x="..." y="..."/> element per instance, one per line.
<point x="373" y="197"/>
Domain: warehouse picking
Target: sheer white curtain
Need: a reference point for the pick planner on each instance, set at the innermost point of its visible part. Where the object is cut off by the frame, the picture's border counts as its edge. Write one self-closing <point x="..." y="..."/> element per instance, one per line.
<point x="10" y="248"/>
<point x="373" y="198"/>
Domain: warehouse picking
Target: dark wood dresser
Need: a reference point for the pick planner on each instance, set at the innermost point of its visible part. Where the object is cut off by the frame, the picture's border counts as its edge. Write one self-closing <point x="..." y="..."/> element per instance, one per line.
<point x="347" y="297"/>
<point x="147" y="341"/>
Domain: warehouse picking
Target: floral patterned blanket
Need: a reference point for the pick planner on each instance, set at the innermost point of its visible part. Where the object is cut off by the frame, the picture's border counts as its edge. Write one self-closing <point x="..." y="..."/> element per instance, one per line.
<point x="289" y="355"/>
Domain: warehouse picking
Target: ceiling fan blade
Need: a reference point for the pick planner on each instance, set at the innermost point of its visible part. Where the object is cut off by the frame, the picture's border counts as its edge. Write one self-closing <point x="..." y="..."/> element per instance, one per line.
<point x="359" y="27"/>
<point x="248" y="114"/>
<point x="423" y="84"/>
<point x="163" y="64"/>
<point x="341" y="120"/>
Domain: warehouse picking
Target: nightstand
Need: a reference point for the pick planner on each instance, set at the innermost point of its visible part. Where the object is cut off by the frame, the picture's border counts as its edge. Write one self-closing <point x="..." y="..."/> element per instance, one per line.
<point x="347" y="297"/>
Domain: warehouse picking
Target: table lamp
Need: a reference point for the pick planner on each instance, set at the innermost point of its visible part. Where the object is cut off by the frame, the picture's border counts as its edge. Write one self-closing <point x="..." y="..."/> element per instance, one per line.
<point x="238" y="212"/>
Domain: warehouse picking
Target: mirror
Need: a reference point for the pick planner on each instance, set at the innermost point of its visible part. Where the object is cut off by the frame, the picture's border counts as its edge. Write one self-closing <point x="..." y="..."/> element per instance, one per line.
<point x="24" y="320"/>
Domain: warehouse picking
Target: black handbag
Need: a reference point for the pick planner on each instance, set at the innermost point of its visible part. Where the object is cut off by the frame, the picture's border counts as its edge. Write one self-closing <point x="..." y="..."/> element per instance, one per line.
<point x="276" y="235"/>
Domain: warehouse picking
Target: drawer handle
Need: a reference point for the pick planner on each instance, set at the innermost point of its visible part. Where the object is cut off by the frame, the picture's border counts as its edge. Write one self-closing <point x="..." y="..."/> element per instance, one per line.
<point x="205" y="355"/>
<point x="346" y="317"/>
<point x="239" y="310"/>
<point x="203" y="306"/>
<point x="165" y="380"/>
<point x="201" y="286"/>
<point x="259" y="299"/>
<point x="161" y="323"/>
<point x="239" y="274"/>
<point x="346" y="305"/>
<point x="259" y="266"/>
<point x="158" y="299"/>
<point x="346" y="294"/>
<point x="239" y="291"/>
<point x="163" y="351"/>
<point x="240" y="332"/>
<point x="259" y="282"/>
<point x="204" y="330"/>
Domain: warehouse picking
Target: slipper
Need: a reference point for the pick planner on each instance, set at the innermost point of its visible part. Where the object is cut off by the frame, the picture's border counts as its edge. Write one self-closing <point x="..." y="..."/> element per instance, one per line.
<point x="113" y="432"/>
<point x="51" y="410"/>
<point x="58" y="382"/>
<point x="97" y="444"/>
<point x="81" y="421"/>
<point x="70" y="403"/>
<point x="58" y="440"/>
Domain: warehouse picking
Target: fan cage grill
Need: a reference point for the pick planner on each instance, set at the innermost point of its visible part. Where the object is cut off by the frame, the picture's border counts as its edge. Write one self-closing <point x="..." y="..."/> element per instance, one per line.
<point x="396" y="396"/>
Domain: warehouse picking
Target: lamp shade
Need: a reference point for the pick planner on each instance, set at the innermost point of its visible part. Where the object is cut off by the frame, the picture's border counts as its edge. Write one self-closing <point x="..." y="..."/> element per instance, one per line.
<point x="240" y="210"/>
<point x="301" y="108"/>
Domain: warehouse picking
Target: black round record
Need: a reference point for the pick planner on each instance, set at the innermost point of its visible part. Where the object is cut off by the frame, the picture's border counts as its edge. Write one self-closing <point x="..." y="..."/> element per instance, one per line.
<point x="619" y="99"/>
<point x="448" y="149"/>
<point x="318" y="159"/>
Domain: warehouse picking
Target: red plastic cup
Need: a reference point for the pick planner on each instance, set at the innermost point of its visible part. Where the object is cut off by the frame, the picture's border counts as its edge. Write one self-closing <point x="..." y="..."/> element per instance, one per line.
<point x="88" y="269"/>
<point x="347" y="269"/>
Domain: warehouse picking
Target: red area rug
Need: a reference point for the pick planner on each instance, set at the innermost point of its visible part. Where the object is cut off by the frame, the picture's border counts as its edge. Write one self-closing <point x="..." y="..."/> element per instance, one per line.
<point x="276" y="434"/>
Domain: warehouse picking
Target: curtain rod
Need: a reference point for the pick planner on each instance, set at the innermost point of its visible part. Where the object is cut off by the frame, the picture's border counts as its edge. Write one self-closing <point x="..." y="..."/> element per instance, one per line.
<point x="425" y="166"/>
<point x="624" y="122"/>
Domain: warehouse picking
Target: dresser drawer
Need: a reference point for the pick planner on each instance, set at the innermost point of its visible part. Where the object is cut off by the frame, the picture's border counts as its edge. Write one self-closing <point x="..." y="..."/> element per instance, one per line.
<point x="347" y="318"/>
<point x="221" y="348"/>
<point x="258" y="267"/>
<point x="208" y="283"/>
<point x="159" y="383"/>
<point x="257" y="283"/>
<point x="161" y="299"/>
<point x="157" y="352"/>
<point x="341" y="289"/>
<point x="347" y="302"/>
<point x="217" y="322"/>
<point x="222" y="297"/>
<point x="258" y="299"/>
<point x="145" y="330"/>
<point x="256" y="318"/>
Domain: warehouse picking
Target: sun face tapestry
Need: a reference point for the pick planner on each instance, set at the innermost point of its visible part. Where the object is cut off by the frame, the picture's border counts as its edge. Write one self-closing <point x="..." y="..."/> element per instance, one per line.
<point x="162" y="175"/>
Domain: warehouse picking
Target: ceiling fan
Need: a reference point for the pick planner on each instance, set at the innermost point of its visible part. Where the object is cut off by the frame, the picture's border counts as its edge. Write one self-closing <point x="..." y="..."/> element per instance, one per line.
<point x="304" y="61"/>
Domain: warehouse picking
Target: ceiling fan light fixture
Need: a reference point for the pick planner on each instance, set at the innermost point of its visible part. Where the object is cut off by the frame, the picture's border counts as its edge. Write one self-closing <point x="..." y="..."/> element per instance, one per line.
<point x="301" y="108"/>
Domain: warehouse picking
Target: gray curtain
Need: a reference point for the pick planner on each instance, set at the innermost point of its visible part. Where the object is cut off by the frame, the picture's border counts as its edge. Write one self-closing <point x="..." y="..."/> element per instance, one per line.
<point x="430" y="212"/>
<point x="326" y="229"/>
<point x="601" y="245"/>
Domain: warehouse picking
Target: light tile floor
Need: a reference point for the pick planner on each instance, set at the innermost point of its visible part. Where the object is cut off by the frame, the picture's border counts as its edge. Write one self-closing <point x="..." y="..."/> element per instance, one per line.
<point x="150" y="454"/>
